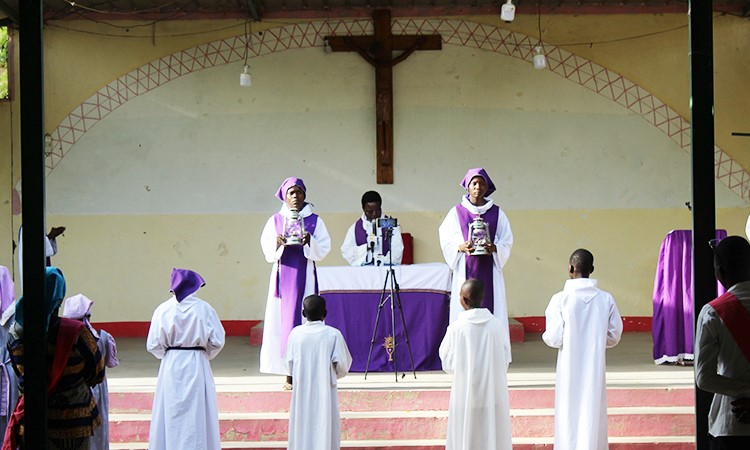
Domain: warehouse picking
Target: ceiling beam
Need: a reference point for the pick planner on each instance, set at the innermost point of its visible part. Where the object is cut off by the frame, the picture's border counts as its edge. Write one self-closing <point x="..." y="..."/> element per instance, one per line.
<point x="9" y="11"/>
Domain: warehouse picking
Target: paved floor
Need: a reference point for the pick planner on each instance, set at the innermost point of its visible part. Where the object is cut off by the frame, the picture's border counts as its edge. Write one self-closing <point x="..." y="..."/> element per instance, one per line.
<point x="236" y="368"/>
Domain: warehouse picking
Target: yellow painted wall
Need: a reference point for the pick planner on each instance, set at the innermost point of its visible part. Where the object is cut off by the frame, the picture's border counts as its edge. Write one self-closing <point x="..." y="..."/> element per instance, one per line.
<point x="139" y="250"/>
<point x="123" y="262"/>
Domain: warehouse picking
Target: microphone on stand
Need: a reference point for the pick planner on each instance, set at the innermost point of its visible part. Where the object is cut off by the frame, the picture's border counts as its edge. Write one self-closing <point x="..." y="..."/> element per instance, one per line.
<point x="371" y="245"/>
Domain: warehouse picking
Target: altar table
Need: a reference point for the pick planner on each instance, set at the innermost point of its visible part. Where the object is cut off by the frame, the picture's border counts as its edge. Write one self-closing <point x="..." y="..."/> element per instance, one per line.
<point x="352" y="297"/>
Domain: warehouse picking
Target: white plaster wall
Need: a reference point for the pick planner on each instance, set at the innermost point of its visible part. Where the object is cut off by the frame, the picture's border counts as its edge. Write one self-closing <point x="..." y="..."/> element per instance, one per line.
<point x="202" y="144"/>
<point x="172" y="175"/>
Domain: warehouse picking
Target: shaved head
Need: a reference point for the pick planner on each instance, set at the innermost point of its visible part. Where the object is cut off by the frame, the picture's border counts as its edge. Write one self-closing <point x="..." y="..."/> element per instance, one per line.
<point x="472" y="292"/>
<point x="314" y="307"/>
<point x="732" y="260"/>
<point x="582" y="262"/>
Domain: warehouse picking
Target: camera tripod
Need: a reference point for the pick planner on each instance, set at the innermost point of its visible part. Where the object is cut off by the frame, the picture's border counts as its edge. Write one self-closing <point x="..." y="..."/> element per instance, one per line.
<point x="391" y="293"/>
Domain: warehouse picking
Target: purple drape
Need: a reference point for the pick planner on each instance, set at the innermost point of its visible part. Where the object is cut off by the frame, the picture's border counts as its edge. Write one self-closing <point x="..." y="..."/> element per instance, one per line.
<point x="291" y="278"/>
<point x="672" y="325"/>
<point x="480" y="267"/>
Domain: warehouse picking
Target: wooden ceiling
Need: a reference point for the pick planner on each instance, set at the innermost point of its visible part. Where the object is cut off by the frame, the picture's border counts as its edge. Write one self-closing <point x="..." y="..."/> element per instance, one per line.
<point x="260" y="9"/>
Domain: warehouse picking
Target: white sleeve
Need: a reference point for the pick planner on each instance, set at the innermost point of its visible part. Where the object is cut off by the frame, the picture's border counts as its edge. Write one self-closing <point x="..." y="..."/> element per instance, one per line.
<point x="342" y="359"/>
<point x="268" y="242"/>
<point x="707" y="345"/>
<point x="320" y="243"/>
<point x="555" y="328"/>
<point x="447" y="352"/>
<point x="397" y="246"/>
<point x="216" y="333"/>
<point x="110" y="359"/>
<point x="450" y="238"/>
<point x="50" y="246"/>
<point x="503" y="240"/>
<point x="614" y="330"/>
<point x="153" y="341"/>
<point x="354" y="254"/>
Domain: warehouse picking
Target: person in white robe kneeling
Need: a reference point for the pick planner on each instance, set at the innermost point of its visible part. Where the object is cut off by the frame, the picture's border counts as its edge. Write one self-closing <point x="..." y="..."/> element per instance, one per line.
<point x="473" y="349"/>
<point x="582" y="321"/>
<point x="185" y="334"/>
<point x="316" y="356"/>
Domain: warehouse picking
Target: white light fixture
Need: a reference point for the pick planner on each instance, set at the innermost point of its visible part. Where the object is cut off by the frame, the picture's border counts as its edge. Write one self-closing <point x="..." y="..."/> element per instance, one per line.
<point x="508" y="11"/>
<point x="245" y="79"/>
<point x="47" y="144"/>
<point x="540" y="61"/>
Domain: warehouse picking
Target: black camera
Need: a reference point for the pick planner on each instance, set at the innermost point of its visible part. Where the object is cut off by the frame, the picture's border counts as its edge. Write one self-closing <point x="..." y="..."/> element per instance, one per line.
<point x="386" y="223"/>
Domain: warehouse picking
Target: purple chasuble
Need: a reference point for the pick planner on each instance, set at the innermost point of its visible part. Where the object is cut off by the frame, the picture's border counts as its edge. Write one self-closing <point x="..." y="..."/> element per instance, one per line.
<point x="480" y="267"/>
<point x="360" y="237"/>
<point x="290" y="279"/>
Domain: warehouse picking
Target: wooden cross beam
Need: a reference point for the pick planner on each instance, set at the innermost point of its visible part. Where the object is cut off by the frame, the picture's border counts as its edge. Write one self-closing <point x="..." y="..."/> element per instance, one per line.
<point x="378" y="49"/>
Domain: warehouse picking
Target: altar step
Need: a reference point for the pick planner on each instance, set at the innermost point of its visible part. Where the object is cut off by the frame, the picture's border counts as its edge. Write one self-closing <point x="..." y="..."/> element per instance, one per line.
<point x="639" y="419"/>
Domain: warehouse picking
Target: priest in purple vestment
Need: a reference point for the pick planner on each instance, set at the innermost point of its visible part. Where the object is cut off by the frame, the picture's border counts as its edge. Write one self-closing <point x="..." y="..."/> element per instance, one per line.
<point x="365" y="244"/>
<point x="456" y="246"/>
<point x="293" y="274"/>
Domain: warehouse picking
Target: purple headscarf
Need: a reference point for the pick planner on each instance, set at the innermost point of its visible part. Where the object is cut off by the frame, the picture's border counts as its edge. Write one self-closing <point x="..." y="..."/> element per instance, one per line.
<point x="185" y="282"/>
<point x="478" y="172"/>
<point x="289" y="182"/>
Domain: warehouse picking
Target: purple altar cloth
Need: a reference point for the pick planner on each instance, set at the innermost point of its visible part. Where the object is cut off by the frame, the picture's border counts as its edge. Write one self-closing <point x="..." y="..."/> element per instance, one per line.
<point x="352" y="296"/>
<point x="426" y="314"/>
<point x="672" y="325"/>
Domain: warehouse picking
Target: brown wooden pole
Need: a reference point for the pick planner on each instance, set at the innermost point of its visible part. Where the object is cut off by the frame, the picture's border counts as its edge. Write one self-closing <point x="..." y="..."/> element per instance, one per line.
<point x="384" y="95"/>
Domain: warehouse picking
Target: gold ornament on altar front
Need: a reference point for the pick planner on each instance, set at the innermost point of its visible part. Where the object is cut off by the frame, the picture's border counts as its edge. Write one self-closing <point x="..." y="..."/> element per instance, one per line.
<point x="389" y="346"/>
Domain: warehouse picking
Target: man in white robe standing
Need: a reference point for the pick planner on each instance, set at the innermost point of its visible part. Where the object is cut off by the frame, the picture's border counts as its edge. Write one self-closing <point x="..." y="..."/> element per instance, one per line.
<point x="457" y="247"/>
<point x="582" y="321"/>
<point x="293" y="274"/>
<point x="473" y="349"/>
<point x="365" y="243"/>
<point x="316" y="356"/>
<point x="185" y="335"/>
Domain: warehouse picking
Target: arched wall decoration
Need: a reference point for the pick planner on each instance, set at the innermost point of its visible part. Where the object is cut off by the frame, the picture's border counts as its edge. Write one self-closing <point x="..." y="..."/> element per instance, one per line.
<point x="454" y="32"/>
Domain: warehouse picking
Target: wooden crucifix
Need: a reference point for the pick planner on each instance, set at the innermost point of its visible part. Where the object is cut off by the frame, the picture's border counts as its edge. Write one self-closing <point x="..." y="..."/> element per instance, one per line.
<point x="378" y="49"/>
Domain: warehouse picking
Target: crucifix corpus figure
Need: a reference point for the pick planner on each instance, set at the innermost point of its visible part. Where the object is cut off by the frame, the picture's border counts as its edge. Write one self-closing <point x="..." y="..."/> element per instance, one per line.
<point x="378" y="49"/>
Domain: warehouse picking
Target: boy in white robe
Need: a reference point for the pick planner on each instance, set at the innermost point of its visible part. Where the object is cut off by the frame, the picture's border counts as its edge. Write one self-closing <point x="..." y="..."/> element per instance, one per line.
<point x="185" y="335"/>
<point x="316" y="356"/>
<point x="473" y="349"/>
<point x="582" y="321"/>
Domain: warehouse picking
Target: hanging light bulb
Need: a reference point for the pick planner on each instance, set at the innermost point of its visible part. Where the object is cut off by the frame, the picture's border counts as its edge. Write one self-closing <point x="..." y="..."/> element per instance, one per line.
<point x="540" y="61"/>
<point x="508" y="11"/>
<point x="245" y="79"/>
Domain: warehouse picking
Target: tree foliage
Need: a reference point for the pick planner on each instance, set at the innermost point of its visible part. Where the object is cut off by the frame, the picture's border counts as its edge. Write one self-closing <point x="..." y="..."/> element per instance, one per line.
<point x="3" y="62"/>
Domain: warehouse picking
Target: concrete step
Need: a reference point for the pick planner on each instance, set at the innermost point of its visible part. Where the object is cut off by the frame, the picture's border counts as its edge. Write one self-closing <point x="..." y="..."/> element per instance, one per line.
<point x="660" y="443"/>
<point x="401" y="425"/>
<point x="404" y="400"/>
